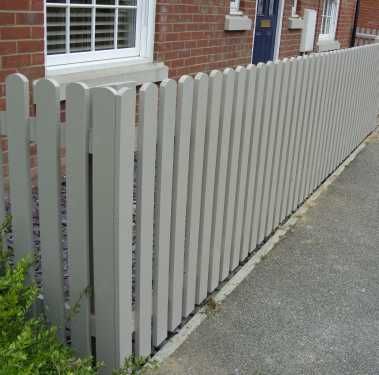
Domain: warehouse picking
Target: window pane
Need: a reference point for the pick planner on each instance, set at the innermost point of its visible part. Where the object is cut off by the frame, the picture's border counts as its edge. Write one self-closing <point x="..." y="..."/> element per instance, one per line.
<point x="55" y="1"/>
<point x="56" y="30"/>
<point x="81" y="1"/>
<point x="105" y="2"/>
<point x="104" y="38"/>
<point x="126" y="28"/>
<point x="128" y="2"/>
<point x="80" y="29"/>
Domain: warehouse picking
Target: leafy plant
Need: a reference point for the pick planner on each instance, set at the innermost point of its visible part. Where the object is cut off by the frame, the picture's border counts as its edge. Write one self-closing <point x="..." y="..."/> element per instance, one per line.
<point x="28" y="346"/>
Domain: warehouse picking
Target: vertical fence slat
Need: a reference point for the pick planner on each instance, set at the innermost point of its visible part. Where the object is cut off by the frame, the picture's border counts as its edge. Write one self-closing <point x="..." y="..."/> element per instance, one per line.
<point x="246" y="143"/>
<point x="124" y="210"/>
<point x="221" y="169"/>
<point x="230" y="256"/>
<point x="207" y="261"/>
<point x="180" y="188"/>
<point x="271" y="150"/>
<point x="16" y="120"/>
<point x="199" y="117"/>
<point x="253" y="160"/>
<point x="104" y="175"/>
<point x="77" y="158"/>
<point x="284" y="165"/>
<point x="262" y="156"/>
<point x="165" y="160"/>
<point x="147" y="140"/>
<point x="279" y="147"/>
<point x="49" y="193"/>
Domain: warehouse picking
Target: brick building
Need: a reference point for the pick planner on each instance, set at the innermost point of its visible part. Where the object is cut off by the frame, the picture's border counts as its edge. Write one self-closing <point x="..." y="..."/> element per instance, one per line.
<point x="116" y="41"/>
<point x="369" y="14"/>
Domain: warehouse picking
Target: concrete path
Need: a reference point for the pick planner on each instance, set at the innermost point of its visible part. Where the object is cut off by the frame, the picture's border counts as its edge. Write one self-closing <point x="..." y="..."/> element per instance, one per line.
<point x="312" y="305"/>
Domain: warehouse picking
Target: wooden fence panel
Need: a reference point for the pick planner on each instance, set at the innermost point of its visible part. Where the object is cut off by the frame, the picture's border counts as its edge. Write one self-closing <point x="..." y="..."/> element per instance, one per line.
<point x="77" y="150"/>
<point x="165" y="162"/>
<point x="49" y="193"/>
<point x="199" y="118"/>
<point x="180" y="189"/>
<point x="16" y="121"/>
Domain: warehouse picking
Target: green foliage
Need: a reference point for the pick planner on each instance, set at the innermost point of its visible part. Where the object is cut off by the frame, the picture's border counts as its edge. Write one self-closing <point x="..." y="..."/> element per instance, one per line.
<point x="136" y="365"/>
<point x="28" y="346"/>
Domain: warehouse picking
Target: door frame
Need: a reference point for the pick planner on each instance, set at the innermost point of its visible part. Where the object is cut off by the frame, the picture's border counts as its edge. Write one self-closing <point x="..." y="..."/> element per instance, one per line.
<point x="278" y="33"/>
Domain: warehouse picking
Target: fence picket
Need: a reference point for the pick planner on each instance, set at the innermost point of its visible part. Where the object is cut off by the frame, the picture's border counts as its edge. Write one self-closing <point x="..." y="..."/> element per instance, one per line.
<point x="16" y="120"/>
<point x="271" y="151"/>
<point x="147" y="139"/>
<point x="103" y="108"/>
<point x="207" y="262"/>
<point x="246" y="140"/>
<point x="165" y="160"/>
<point x="179" y="203"/>
<point x="253" y="161"/>
<point x="78" y="122"/>
<point x="230" y="256"/>
<point x="262" y="156"/>
<point x="49" y="193"/>
<point x="199" y="117"/>
<point x="221" y="169"/>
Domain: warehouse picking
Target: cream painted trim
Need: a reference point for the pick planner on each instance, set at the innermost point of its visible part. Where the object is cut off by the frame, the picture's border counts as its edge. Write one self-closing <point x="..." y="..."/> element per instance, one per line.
<point x="279" y="26"/>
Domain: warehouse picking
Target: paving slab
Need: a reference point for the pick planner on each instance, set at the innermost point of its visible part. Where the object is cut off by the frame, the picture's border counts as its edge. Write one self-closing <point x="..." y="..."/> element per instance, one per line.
<point x="311" y="306"/>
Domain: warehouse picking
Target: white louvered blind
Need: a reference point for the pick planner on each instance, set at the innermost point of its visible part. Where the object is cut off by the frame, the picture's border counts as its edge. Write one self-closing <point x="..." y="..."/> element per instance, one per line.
<point x="85" y="27"/>
<point x="329" y="19"/>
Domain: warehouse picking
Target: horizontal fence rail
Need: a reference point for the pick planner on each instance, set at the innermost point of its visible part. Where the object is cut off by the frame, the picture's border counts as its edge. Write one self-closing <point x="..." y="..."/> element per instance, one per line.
<point x="148" y="199"/>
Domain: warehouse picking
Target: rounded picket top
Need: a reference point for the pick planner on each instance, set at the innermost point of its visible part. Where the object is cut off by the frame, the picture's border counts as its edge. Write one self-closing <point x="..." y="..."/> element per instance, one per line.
<point x="76" y="89"/>
<point x="46" y="94"/>
<point x="168" y="84"/>
<point x="215" y="74"/>
<point x="201" y="77"/>
<point x="16" y="80"/>
<point x="185" y="81"/>
<point x="17" y="93"/>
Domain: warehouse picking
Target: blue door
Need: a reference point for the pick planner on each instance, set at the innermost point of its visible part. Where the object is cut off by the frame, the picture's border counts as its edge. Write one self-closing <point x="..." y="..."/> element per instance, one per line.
<point x="265" y="30"/>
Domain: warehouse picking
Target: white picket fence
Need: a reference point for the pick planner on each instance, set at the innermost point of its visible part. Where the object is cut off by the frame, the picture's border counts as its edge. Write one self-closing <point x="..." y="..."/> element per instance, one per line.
<point x="160" y="214"/>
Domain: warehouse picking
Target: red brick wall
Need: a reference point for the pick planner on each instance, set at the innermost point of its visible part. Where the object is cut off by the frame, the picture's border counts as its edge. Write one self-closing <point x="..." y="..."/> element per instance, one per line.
<point x="290" y="40"/>
<point x="190" y="36"/>
<point x="369" y="14"/>
<point x="21" y="40"/>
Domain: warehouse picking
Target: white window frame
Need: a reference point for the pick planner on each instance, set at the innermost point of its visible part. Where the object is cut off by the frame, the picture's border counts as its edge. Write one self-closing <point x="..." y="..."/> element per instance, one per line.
<point x="294" y="8"/>
<point x="235" y="8"/>
<point x="145" y="27"/>
<point x="333" y="28"/>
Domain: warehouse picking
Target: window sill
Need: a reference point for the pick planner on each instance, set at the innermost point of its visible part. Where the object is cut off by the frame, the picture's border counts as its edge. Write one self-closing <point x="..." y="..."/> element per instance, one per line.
<point x="295" y="23"/>
<point x="117" y="73"/>
<point x="325" y="45"/>
<point x="237" y="23"/>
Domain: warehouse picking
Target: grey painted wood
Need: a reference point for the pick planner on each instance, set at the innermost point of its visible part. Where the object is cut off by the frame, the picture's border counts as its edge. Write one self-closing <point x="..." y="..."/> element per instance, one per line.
<point x="253" y="159"/>
<point x="283" y="72"/>
<point x="230" y="255"/>
<point x="207" y="262"/>
<point x="292" y="137"/>
<point x="179" y="204"/>
<point x="262" y="156"/>
<point x="77" y="159"/>
<point x="104" y="179"/>
<point x="245" y="151"/>
<point x="16" y="122"/>
<point x="124" y="210"/>
<point x="299" y="137"/>
<point x="147" y="140"/>
<point x="284" y="165"/>
<point x="307" y="129"/>
<point x="165" y="160"/>
<point x="199" y="118"/>
<point x="271" y="151"/>
<point x="221" y="172"/>
<point x="49" y="193"/>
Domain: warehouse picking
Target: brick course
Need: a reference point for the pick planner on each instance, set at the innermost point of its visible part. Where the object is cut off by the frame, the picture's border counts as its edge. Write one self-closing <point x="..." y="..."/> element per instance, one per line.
<point x="21" y="40"/>
<point x="369" y="14"/>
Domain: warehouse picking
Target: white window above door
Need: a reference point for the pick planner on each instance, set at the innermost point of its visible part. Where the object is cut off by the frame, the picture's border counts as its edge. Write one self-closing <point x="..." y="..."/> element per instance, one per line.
<point x="82" y="31"/>
<point x="329" y="19"/>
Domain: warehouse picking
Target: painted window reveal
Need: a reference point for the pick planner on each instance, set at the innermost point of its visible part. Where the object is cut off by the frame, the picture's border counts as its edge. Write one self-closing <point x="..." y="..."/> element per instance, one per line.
<point x="329" y="18"/>
<point x="88" y="30"/>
